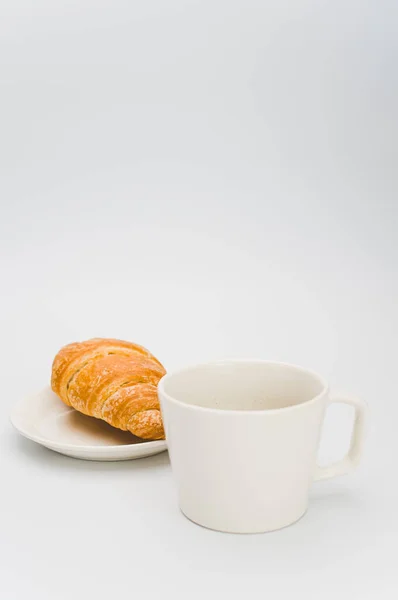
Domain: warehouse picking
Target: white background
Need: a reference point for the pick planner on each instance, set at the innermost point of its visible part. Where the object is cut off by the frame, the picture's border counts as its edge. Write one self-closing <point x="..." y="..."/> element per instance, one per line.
<point x="209" y="179"/>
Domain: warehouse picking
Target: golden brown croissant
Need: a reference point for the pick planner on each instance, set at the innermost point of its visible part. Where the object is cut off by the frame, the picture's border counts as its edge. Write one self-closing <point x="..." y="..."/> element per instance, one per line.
<point x="111" y="380"/>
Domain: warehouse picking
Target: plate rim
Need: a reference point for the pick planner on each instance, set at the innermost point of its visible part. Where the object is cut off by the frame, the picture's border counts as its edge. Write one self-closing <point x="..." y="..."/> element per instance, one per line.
<point x="48" y="442"/>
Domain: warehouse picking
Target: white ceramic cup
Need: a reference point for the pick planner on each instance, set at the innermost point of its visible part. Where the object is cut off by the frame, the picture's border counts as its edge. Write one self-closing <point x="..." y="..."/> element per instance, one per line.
<point x="243" y="439"/>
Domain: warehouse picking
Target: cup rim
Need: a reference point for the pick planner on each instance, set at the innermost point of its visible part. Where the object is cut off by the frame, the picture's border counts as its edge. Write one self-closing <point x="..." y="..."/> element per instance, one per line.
<point x="313" y="374"/>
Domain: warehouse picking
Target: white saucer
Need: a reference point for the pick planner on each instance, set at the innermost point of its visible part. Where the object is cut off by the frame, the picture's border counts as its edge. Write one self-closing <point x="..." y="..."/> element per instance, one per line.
<point x="44" y="419"/>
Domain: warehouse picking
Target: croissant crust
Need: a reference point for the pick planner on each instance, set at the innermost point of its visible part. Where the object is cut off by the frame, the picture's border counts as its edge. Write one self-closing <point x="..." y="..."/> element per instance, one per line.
<point x="111" y="380"/>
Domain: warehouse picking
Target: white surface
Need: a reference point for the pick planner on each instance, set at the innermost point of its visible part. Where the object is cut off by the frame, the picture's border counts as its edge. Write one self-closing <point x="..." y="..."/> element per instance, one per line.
<point x="243" y="439"/>
<point x="44" y="419"/>
<point x="211" y="179"/>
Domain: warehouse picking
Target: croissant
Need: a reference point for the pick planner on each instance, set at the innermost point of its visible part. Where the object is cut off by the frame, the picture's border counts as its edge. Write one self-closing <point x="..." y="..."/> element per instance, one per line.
<point x="111" y="380"/>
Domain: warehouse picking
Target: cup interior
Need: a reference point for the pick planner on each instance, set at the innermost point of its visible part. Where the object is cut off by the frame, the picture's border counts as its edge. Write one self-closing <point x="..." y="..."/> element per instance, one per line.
<point x="242" y="385"/>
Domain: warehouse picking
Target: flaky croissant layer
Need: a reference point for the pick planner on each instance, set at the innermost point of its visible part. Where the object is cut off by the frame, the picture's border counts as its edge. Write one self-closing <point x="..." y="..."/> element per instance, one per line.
<point x="112" y="380"/>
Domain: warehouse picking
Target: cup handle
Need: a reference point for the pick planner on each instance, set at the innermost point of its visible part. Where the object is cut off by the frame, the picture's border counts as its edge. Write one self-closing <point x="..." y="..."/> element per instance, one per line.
<point x="353" y="456"/>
